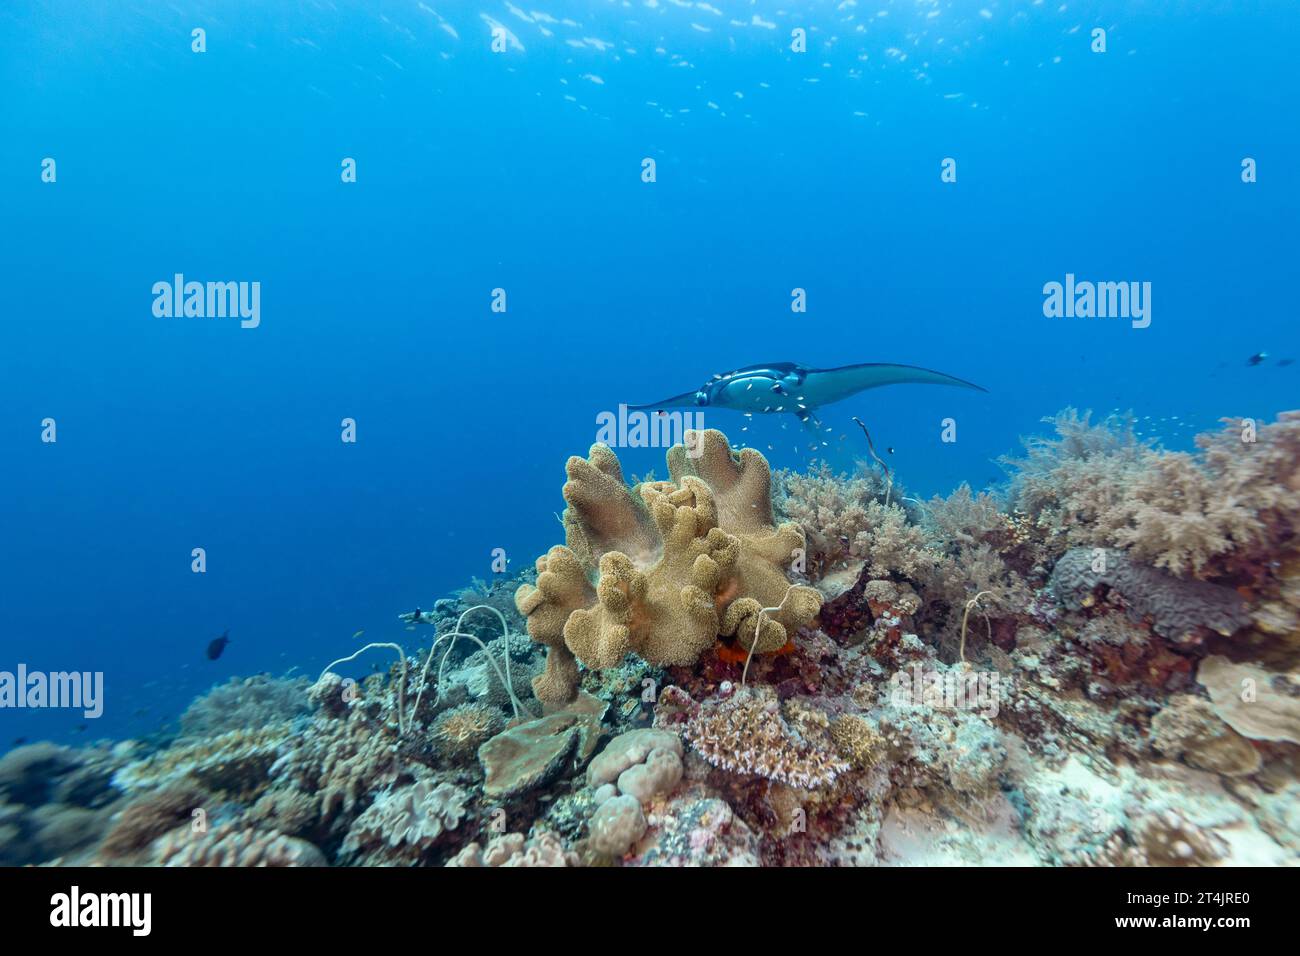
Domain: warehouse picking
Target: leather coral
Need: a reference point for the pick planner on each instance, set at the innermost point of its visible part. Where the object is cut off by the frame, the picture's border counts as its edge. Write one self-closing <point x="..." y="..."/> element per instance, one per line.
<point x="665" y="568"/>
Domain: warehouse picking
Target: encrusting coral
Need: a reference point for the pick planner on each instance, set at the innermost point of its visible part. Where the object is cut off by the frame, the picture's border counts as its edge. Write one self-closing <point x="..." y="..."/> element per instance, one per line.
<point x="1188" y="728"/>
<point x="1257" y="703"/>
<point x="676" y="565"/>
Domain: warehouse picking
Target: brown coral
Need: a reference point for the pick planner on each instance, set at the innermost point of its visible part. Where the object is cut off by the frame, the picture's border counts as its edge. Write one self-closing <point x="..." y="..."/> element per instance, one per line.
<point x="1178" y="609"/>
<point x="746" y="733"/>
<point x="676" y="565"/>
<point x="148" y="817"/>
<point x="462" y="730"/>
<point x="1187" y="727"/>
<point x="857" y="740"/>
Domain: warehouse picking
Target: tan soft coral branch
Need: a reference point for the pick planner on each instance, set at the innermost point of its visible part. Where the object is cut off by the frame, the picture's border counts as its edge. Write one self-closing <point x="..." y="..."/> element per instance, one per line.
<point x="695" y="557"/>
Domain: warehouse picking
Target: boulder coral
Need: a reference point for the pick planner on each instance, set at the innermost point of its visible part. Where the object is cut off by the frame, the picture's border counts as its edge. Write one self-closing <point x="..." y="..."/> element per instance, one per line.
<point x="632" y="770"/>
<point x="1178" y="609"/>
<point x="665" y="568"/>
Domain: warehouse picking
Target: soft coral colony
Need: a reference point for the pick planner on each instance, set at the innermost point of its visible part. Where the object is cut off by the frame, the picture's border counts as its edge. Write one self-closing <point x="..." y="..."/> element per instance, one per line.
<point x="735" y="667"/>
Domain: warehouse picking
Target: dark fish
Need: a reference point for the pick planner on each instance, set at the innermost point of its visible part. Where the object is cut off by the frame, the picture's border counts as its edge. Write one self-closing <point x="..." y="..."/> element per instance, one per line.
<point x="218" y="645"/>
<point x="1257" y="358"/>
<point x="19" y="741"/>
<point x="1285" y="362"/>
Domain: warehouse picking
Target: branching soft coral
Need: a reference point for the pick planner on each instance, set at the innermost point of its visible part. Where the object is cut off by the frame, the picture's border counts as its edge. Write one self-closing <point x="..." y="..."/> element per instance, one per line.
<point x="831" y="509"/>
<point x="964" y="517"/>
<point x="1065" y="484"/>
<point x="892" y="546"/>
<point x="1096" y="485"/>
<point x="1174" y="516"/>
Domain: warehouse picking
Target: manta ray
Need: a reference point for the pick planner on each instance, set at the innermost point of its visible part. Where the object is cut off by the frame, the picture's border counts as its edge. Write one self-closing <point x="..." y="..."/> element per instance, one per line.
<point x="799" y="390"/>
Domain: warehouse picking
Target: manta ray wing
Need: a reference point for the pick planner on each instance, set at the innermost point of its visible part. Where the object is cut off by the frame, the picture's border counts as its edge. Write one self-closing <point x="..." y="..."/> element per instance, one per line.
<point x="822" y="386"/>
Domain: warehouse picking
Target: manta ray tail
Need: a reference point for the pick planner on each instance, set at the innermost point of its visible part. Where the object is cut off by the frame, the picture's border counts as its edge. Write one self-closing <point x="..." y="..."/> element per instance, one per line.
<point x="684" y="400"/>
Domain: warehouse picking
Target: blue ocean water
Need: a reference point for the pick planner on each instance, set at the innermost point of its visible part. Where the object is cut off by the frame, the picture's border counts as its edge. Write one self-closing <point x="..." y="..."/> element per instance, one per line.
<point x="521" y="170"/>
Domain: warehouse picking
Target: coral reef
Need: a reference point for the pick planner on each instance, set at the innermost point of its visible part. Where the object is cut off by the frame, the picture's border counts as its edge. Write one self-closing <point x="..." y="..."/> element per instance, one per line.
<point x="56" y="802"/>
<point x="234" y="761"/>
<point x="1097" y="668"/>
<point x="1098" y="485"/>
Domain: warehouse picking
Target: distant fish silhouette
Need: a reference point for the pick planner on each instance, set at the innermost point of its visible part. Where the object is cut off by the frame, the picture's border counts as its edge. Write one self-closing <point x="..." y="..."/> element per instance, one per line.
<point x="1257" y="358"/>
<point x="1285" y="362"/>
<point x="218" y="645"/>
